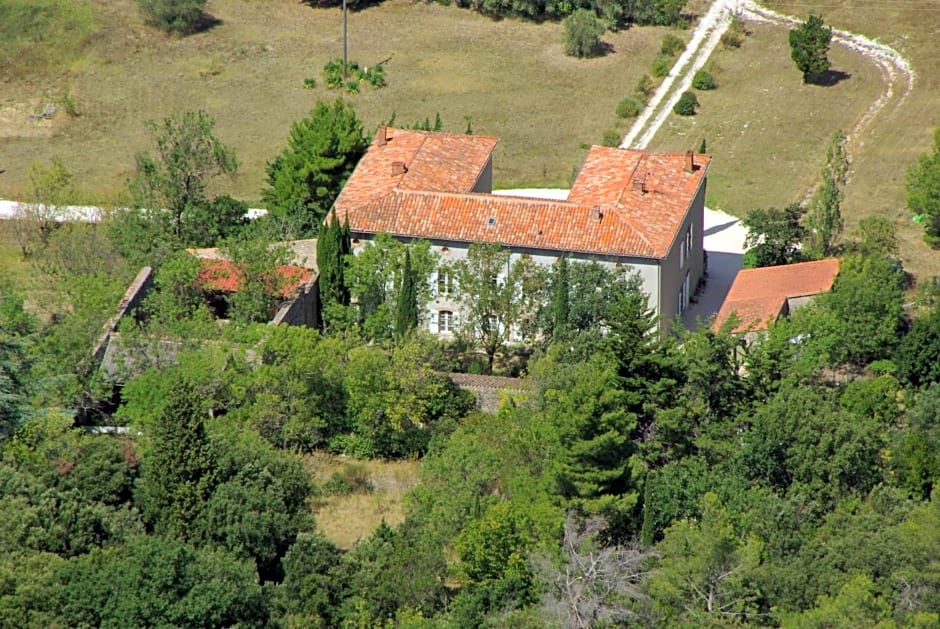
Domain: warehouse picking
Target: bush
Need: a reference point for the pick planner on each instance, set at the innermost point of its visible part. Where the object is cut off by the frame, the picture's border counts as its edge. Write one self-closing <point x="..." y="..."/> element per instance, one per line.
<point x="611" y="138"/>
<point x="583" y="32"/>
<point x="687" y="105"/>
<point x="644" y="88"/>
<point x="352" y="479"/>
<point x="661" y="66"/>
<point x="703" y="81"/>
<point x="180" y="17"/>
<point x="629" y="107"/>
<point x="671" y="45"/>
<point x="731" y="40"/>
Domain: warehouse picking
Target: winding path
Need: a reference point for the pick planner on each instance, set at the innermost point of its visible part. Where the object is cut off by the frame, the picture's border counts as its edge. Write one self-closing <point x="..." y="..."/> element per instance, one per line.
<point x="896" y="70"/>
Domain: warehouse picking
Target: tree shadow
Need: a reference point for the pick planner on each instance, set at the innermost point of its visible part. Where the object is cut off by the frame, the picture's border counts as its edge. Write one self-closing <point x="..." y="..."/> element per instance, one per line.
<point x="206" y="23"/>
<point x="829" y="78"/>
<point x="602" y="49"/>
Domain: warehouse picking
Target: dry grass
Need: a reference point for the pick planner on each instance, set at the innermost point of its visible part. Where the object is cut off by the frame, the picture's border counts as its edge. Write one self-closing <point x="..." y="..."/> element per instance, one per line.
<point x="768" y="132"/>
<point x="347" y="519"/>
<point x="510" y="78"/>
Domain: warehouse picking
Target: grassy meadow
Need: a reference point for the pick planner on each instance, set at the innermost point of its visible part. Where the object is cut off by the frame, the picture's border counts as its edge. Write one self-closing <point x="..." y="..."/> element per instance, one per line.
<point x="768" y="132"/>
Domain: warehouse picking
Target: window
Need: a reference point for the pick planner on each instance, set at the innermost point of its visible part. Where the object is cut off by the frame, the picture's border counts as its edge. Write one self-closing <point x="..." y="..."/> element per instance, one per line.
<point x="445" y="283"/>
<point x="685" y="249"/>
<point x="445" y="321"/>
<point x="684" y="295"/>
<point x="492" y="324"/>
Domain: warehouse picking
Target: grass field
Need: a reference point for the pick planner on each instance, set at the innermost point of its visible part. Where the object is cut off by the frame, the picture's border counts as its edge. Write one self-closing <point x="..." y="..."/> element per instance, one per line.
<point x="346" y="519"/>
<point x="768" y="132"/>
<point x="510" y="78"/>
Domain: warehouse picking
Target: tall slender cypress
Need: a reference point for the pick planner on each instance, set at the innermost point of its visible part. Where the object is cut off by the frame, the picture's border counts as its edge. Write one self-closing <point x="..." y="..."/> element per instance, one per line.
<point x="407" y="315"/>
<point x="560" y="307"/>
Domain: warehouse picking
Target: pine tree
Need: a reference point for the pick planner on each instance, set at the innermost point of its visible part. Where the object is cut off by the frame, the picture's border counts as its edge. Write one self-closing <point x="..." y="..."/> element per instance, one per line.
<point x="560" y="300"/>
<point x="407" y="315"/>
<point x="809" y="48"/>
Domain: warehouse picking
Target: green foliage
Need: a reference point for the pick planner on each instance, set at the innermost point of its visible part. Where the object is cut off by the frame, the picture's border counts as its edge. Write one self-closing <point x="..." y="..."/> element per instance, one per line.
<point x="313" y="586"/>
<point x="915" y="458"/>
<point x="170" y="191"/>
<point x="611" y="138"/>
<point x="671" y="45"/>
<point x="686" y="105"/>
<point x="583" y="30"/>
<point x="923" y="190"/>
<point x="407" y="316"/>
<point x="774" y="235"/>
<point x="305" y="179"/>
<point x="703" y="80"/>
<point x="261" y="282"/>
<point x="824" y="219"/>
<point x="918" y="355"/>
<point x="179" y="471"/>
<point x="644" y="88"/>
<point x="179" y="17"/>
<point x="661" y="66"/>
<point x="707" y="570"/>
<point x="333" y="75"/>
<point x="809" y="48"/>
<point x="51" y="188"/>
<point x="629" y="107"/>
<point x="333" y="246"/>
<point x="878" y="236"/>
<point x="561" y="294"/>
<point x="733" y="37"/>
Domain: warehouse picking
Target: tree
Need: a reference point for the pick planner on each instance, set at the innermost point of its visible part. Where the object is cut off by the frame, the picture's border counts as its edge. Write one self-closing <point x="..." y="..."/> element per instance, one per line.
<point x="170" y="190"/>
<point x="707" y="570"/>
<point x="179" y="470"/>
<point x="560" y="297"/>
<point x="407" y="315"/>
<point x="923" y="190"/>
<point x="51" y="188"/>
<point x="809" y="48"/>
<point x="333" y="245"/>
<point x="180" y="17"/>
<point x="878" y="236"/>
<point x="686" y="105"/>
<point x="583" y="32"/>
<point x="773" y="236"/>
<point x="825" y="215"/>
<point x="322" y="151"/>
<point x="918" y="356"/>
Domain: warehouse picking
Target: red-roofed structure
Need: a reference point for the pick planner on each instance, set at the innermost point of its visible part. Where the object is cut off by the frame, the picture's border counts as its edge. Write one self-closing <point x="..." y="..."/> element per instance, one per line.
<point x="626" y="207"/>
<point x="222" y="276"/>
<point x="759" y="296"/>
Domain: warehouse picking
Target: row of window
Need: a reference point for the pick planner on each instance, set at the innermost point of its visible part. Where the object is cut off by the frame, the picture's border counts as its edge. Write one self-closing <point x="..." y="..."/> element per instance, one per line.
<point x="445" y="321"/>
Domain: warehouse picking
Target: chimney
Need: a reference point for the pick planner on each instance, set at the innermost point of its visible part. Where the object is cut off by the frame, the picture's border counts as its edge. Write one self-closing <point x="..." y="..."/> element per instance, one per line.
<point x="399" y="169"/>
<point x="596" y="214"/>
<point x="639" y="185"/>
<point x="381" y="138"/>
<point x="690" y="161"/>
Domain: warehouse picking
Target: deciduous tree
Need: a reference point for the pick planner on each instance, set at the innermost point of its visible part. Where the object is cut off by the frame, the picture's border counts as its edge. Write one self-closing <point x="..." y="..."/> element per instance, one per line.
<point x="773" y="236"/>
<point x="825" y="212"/>
<point x="923" y="190"/>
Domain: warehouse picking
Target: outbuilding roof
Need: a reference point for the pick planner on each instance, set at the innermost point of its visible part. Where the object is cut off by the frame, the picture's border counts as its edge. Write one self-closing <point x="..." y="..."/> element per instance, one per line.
<point x="758" y="296"/>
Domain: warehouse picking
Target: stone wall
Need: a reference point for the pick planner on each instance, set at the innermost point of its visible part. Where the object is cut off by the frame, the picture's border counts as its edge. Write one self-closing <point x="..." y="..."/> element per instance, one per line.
<point x="302" y="308"/>
<point x="134" y="294"/>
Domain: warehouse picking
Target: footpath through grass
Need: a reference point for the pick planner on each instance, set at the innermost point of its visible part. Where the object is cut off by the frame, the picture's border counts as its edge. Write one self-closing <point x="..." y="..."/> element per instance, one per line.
<point x="768" y="132"/>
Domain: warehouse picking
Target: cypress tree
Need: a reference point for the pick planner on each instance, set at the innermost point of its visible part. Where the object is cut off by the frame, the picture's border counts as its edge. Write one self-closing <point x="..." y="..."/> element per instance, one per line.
<point x="333" y="245"/>
<point x="560" y="297"/>
<point x="407" y="315"/>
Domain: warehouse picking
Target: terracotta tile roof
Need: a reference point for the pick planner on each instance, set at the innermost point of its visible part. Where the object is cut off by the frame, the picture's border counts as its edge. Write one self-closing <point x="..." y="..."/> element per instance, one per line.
<point x="605" y="214"/>
<point x="511" y="221"/>
<point x="479" y="381"/>
<point x="440" y="162"/>
<point x="758" y="296"/>
<point x="222" y="276"/>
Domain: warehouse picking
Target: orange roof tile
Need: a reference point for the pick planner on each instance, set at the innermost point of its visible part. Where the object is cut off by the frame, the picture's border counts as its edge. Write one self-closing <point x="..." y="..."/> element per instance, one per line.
<point x="605" y="213"/>
<point x="223" y="276"/>
<point x="441" y="162"/>
<point x="759" y="295"/>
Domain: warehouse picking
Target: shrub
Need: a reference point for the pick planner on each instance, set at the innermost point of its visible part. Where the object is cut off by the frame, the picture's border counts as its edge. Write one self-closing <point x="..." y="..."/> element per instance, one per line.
<point x="687" y="105"/>
<point x="730" y="40"/>
<point x="310" y="84"/>
<point x="352" y="479"/>
<point x="583" y="32"/>
<point x="703" y="81"/>
<point x="671" y="45"/>
<point x="352" y="86"/>
<point x="629" y="107"/>
<point x="644" y="87"/>
<point x="611" y="138"/>
<point x="661" y="66"/>
<point x="375" y="76"/>
<point x="180" y="17"/>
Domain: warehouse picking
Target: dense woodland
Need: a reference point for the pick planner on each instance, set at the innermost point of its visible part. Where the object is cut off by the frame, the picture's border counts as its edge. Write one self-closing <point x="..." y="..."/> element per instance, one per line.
<point x="691" y="480"/>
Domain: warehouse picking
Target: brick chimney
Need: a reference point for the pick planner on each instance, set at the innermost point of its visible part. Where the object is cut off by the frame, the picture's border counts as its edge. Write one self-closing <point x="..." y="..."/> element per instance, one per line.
<point x="690" y="161"/>
<point x="399" y="169"/>
<point x="639" y="185"/>
<point x="381" y="138"/>
<point x="596" y="214"/>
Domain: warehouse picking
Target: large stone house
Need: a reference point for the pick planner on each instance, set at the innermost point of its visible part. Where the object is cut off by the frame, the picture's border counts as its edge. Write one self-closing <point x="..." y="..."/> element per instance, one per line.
<point x="626" y="207"/>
